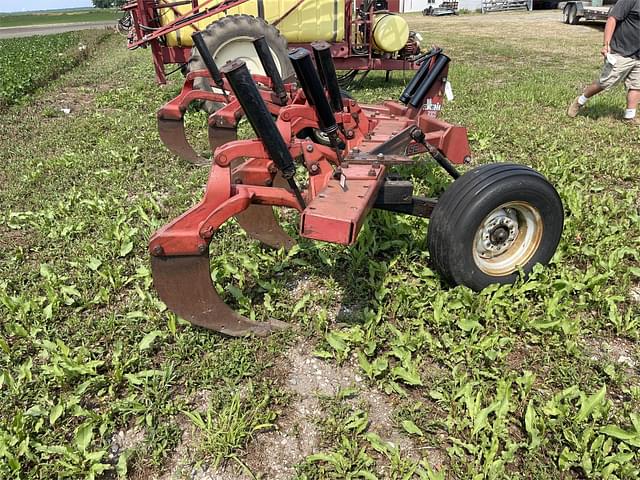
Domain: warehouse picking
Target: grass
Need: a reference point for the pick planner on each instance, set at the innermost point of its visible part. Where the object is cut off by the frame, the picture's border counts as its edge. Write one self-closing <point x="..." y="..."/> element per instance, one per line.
<point x="52" y="17"/>
<point x="535" y="380"/>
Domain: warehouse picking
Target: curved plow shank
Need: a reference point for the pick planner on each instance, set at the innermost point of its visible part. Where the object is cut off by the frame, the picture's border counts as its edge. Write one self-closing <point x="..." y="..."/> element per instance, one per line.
<point x="184" y="285"/>
<point x="260" y="223"/>
<point x="218" y="136"/>
<point x="173" y="136"/>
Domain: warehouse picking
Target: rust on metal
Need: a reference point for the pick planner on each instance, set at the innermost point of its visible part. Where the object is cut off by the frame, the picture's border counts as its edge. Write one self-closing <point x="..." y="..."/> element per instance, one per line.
<point x="173" y="277"/>
<point x="173" y="136"/>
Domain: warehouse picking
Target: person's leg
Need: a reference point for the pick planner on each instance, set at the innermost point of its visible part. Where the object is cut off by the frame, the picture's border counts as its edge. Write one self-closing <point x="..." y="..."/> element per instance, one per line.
<point x="593" y="89"/>
<point x="612" y="73"/>
<point x="633" y="98"/>
<point x="581" y="101"/>
<point x="633" y="93"/>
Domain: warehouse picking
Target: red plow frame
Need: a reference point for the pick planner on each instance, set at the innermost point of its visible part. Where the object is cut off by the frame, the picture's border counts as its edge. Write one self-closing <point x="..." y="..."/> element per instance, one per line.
<point x="346" y="174"/>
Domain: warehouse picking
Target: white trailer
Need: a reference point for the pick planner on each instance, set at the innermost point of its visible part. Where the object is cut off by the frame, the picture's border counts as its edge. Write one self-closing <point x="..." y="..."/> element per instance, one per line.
<point x="595" y="11"/>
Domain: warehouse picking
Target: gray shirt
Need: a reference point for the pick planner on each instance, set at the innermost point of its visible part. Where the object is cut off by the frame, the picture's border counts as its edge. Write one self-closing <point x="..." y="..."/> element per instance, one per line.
<point x="626" y="38"/>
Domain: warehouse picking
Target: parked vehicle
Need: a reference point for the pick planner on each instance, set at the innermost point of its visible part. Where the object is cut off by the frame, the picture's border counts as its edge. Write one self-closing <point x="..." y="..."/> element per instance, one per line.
<point x="573" y="11"/>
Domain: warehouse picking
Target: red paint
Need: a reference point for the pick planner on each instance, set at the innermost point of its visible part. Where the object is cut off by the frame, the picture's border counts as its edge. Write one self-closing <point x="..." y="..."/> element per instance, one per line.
<point x="332" y="214"/>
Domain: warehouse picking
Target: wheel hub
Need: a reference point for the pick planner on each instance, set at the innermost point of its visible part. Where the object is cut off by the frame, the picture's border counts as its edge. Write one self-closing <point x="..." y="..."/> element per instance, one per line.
<point x="498" y="233"/>
<point x="507" y="238"/>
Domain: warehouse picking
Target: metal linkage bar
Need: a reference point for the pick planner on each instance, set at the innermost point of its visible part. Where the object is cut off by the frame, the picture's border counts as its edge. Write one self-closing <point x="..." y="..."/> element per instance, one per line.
<point x="189" y="18"/>
<point x="419" y="136"/>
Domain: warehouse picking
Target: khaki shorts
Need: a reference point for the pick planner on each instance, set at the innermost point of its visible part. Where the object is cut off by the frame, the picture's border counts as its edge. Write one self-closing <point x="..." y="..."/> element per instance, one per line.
<point x="625" y="68"/>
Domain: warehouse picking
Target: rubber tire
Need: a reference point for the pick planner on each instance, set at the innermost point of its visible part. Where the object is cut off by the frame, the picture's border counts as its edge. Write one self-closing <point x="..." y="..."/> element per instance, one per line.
<point x="572" y="16"/>
<point x="464" y="205"/>
<point x="229" y="28"/>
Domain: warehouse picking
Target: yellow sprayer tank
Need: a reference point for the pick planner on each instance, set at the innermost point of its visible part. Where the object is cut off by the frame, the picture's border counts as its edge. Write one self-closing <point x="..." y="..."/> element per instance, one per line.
<point x="390" y="32"/>
<point x="310" y="21"/>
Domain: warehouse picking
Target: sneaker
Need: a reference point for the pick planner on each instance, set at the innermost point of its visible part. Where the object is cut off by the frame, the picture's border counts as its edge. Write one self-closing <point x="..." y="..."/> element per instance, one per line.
<point x="574" y="108"/>
<point x="632" y="121"/>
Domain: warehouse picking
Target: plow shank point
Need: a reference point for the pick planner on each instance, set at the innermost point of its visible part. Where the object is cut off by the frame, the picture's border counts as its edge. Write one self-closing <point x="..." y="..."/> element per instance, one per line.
<point x="173" y="136"/>
<point x="184" y="285"/>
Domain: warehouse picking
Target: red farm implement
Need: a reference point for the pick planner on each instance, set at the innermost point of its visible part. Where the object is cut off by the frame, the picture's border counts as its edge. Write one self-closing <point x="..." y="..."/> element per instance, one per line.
<point x="331" y="159"/>
<point x="364" y="35"/>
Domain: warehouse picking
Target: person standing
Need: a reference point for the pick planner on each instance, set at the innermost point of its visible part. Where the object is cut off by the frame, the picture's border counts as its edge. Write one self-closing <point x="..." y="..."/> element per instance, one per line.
<point x="621" y="51"/>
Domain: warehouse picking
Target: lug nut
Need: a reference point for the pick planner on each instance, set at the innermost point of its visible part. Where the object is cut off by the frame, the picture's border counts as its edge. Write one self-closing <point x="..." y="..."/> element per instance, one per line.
<point x="202" y="248"/>
<point x="314" y="168"/>
<point x="309" y="148"/>
<point x="157" y="250"/>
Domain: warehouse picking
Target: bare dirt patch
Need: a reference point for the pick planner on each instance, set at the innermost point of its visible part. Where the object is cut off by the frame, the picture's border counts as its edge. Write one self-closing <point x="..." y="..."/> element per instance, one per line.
<point x="634" y="294"/>
<point x="616" y="350"/>
<point x="67" y="101"/>
<point x="274" y="455"/>
<point x="10" y="239"/>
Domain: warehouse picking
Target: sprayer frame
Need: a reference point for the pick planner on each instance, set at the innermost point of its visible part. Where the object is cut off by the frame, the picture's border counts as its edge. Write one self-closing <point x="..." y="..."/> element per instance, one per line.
<point x="145" y="14"/>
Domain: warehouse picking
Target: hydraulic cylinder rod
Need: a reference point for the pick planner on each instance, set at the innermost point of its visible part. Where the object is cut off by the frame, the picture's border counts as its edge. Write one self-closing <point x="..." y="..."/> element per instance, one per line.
<point x="312" y="87"/>
<point x="270" y="69"/>
<point x="200" y="44"/>
<point x="327" y="70"/>
<point x="260" y="119"/>
<point x="432" y="76"/>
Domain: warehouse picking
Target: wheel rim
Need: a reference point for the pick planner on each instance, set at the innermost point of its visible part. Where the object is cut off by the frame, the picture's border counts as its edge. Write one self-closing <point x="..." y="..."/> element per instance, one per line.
<point x="242" y="48"/>
<point x="507" y="238"/>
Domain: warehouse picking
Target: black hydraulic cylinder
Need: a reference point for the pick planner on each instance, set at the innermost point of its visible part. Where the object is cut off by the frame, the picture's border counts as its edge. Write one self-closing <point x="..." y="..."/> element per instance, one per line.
<point x="270" y="69"/>
<point x="200" y="44"/>
<point x="312" y="87"/>
<point x="417" y="79"/>
<point x="434" y="73"/>
<point x="327" y="70"/>
<point x="260" y="119"/>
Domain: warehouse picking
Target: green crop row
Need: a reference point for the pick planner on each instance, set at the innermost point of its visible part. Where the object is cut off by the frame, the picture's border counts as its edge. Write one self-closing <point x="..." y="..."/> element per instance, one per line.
<point x="28" y="63"/>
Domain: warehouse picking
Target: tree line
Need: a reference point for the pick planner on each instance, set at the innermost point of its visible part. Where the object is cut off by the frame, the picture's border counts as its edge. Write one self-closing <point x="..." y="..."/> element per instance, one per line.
<point x="108" y="3"/>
